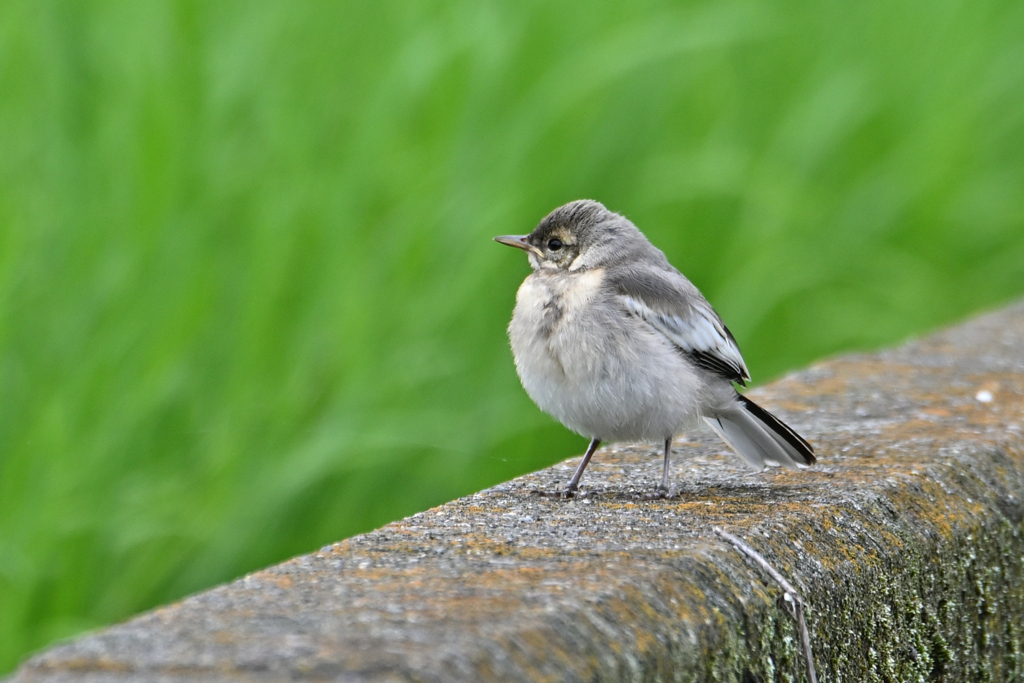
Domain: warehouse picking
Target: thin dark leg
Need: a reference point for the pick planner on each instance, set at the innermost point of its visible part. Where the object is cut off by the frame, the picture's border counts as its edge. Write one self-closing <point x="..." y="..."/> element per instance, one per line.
<point x="664" y="472"/>
<point x="574" y="484"/>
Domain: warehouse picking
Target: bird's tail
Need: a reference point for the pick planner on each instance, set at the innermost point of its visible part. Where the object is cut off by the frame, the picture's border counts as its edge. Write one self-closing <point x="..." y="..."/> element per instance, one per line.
<point x="758" y="437"/>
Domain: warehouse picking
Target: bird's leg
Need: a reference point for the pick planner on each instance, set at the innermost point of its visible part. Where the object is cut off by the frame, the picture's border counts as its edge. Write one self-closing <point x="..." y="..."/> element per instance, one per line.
<point x="574" y="483"/>
<point x="664" y="473"/>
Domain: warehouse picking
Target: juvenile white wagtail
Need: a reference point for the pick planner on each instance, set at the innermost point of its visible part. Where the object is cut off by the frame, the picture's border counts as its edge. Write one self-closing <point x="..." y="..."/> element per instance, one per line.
<point x="618" y="345"/>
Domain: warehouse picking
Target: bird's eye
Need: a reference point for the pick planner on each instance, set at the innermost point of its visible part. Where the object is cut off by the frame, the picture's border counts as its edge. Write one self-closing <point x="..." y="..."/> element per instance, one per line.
<point x="554" y="244"/>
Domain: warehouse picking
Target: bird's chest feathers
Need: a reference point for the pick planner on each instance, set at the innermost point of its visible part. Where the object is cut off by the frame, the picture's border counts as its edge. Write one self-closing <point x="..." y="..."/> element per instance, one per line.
<point x="552" y="318"/>
<point x="550" y="304"/>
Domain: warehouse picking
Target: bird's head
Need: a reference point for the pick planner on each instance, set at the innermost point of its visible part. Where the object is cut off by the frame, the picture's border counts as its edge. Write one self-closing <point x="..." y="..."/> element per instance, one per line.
<point x="577" y="236"/>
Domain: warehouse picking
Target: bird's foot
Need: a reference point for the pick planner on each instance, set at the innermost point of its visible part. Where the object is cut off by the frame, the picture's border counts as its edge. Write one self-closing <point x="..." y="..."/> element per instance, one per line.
<point x="662" y="492"/>
<point x="567" y="492"/>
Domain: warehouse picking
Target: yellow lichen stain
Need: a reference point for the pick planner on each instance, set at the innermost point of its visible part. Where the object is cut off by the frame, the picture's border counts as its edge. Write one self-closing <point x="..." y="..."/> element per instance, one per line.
<point x="224" y="637"/>
<point x="89" y="664"/>
<point x="620" y="506"/>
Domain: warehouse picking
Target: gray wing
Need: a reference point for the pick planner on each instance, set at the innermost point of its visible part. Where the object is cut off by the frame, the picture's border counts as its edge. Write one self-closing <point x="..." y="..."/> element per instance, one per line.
<point x="673" y="306"/>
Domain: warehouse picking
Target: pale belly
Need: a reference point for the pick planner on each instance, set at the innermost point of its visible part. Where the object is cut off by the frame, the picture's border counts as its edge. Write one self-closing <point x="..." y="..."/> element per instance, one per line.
<point x="597" y="369"/>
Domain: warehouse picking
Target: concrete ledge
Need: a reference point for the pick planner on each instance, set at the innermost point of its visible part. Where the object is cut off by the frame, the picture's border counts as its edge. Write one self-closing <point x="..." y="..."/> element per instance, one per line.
<point x="905" y="540"/>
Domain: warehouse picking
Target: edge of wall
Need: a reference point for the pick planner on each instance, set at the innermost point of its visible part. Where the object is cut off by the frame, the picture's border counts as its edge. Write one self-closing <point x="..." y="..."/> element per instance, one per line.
<point x="905" y="541"/>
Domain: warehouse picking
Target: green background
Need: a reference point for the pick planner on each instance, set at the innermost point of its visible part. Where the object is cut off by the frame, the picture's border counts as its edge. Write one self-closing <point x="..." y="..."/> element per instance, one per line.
<point x="249" y="303"/>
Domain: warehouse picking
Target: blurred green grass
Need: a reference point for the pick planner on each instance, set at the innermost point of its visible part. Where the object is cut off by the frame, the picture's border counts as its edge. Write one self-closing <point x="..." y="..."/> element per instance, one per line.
<point x="248" y="300"/>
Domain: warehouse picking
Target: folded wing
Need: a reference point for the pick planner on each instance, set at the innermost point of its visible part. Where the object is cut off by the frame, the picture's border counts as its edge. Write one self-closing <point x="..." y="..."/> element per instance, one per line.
<point x="674" y="307"/>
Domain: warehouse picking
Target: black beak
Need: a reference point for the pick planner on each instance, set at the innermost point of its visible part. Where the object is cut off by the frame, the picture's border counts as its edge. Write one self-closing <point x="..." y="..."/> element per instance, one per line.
<point x="519" y="241"/>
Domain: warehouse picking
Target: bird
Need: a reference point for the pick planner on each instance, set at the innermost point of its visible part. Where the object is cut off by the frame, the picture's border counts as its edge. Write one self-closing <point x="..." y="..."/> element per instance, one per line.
<point x="617" y="345"/>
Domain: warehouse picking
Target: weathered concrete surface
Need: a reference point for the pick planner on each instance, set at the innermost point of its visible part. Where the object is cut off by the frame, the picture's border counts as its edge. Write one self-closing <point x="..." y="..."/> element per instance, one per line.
<point x="905" y="539"/>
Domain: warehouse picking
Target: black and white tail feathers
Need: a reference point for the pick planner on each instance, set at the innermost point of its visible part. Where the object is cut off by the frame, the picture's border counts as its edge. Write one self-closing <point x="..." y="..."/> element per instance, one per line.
<point x="757" y="436"/>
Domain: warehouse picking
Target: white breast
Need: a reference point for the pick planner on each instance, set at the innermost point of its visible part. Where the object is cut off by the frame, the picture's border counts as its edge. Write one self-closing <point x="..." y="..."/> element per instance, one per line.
<point x="602" y="372"/>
